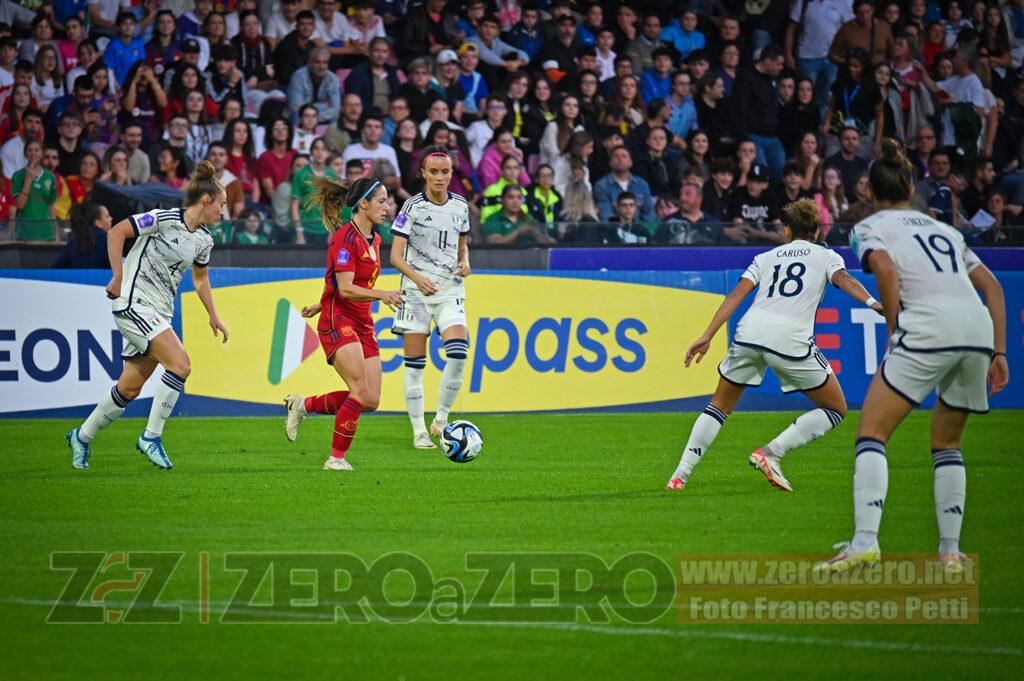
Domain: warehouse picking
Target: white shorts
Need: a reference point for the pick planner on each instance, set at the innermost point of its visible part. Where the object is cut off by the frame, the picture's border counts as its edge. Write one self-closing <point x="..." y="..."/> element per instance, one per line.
<point x="959" y="376"/>
<point x="139" y="325"/>
<point x="416" y="314"/>
<point x="745" y="365"/>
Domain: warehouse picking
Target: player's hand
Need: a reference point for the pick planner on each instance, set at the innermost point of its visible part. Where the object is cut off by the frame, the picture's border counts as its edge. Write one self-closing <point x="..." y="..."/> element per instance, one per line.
<point x="699" y="348"/>
<point x="998" y="374"/>
<point x="114" y="288"/>
<point x="217" y="325"/>
<point x="393" y="299"/>
<point x="311" y="310"/>
<point x="463" y="269"/>
<point x="877" y="307"/>
<point x="426" y="286"/>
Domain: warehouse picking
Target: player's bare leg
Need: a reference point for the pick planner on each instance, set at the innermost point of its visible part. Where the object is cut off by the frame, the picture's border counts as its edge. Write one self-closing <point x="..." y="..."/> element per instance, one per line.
<point x="705" y="430"/>
<point x="415" y="348"/>
<point x="950" y="482"/>
<point x="456" y="350"/>
<point x="883" y="411"/>
<point x="808" y="427"/>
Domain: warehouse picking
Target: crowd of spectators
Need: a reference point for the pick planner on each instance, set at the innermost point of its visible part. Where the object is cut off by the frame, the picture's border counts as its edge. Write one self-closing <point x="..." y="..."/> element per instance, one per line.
<point x="613" y="122"/>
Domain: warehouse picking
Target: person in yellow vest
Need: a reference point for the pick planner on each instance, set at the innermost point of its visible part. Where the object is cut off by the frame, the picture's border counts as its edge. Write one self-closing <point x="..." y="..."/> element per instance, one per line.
<point x="511" y="168"/>
<point x="543" y="202"/>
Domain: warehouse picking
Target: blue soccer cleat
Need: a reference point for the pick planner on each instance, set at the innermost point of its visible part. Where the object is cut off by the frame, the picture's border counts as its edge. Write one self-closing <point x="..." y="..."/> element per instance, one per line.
<point x="154" y="451"/>
<point x="79" y="450"/>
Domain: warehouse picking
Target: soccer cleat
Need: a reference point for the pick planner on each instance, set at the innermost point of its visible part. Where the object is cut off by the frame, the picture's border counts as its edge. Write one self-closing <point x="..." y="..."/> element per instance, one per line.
<point x="423" y="441"/>
<point x="771" y="470"/>
<point x="437" y="427"/>
<point x="295" y="415"/>
<point x="79" y="450"/>
<point x="675" y="483"/>
<point x="848" y="560"/>
<point x="154" y="451"/>
<point x="952" y="563"/>
<point x="333" y="463"/>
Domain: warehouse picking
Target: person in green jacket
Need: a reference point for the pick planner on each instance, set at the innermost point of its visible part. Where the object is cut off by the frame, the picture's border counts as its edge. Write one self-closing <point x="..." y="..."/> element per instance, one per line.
<point x="309" y="223"/>
<point x="34" y="190"/>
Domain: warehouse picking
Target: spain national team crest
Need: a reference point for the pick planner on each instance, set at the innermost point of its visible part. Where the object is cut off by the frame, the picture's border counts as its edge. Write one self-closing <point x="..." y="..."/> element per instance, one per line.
<point x="347" y="331"/>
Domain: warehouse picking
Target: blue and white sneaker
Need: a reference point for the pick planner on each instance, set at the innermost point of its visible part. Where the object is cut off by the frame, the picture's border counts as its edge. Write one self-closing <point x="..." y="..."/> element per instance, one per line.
<point x="154" y="451"/>
<point x="79" y="450"/>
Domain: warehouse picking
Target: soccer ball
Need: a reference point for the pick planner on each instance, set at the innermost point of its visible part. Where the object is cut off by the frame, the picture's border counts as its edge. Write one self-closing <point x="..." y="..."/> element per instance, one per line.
<point x="461" y="441"/>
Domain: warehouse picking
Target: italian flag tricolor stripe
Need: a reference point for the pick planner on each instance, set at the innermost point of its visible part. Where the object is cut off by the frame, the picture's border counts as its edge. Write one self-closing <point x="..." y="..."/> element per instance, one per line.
<point x="293" y="342"/>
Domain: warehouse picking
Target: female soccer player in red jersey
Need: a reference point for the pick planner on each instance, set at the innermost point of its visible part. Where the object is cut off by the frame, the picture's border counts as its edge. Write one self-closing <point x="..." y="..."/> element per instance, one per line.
<point x="346" y="327"/>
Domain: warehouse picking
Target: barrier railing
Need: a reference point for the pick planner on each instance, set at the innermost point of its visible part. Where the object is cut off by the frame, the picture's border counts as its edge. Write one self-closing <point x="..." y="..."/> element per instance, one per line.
<point x="255" y="231"/>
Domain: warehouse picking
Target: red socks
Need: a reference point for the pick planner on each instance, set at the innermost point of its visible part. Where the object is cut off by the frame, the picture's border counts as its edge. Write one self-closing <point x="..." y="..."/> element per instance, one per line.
<point x="326" y="404"/>
<point x="345" y="423"/>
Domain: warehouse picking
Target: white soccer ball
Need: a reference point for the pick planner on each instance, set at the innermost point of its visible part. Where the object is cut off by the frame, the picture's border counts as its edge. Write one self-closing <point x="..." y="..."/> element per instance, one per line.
<point x="461" y="441"/>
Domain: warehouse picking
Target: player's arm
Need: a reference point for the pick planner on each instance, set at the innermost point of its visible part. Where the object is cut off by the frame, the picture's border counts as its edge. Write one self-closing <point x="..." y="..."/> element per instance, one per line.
<point x="349" y="291"/>
<point x="888" y="279"/>
<point x="115" y="246"/>
<point x="425" y="284"/>
<point x="463" y="269"/>
<point x="701" y="346"/>
<point x="201" y="281"/>
<point x="853" y="288"/>
<point x="988" y="286"/>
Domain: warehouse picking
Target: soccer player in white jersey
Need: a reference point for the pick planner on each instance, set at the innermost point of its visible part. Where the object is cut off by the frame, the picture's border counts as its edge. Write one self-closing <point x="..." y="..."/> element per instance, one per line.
<point x="431" y="252"/>
<point x="168" y="243"/>
<point x="778" y="332"/>
<point x="943" y="338"/>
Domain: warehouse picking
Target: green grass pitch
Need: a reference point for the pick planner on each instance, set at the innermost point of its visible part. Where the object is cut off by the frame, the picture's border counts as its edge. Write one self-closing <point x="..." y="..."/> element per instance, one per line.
<point x="544" y="483"/>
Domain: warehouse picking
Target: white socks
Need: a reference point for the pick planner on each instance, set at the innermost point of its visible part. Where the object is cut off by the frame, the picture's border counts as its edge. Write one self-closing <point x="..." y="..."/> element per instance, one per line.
<point x="456" y="351"/>
<point x="950" y="493"/>
<point x="870" y="484"/>
<point x="166" y="396"/>
<point x="108" y="410"/>
<point x="807" y="427"/>
<point x="704" y="432"/>
<point x="414" y="392"/>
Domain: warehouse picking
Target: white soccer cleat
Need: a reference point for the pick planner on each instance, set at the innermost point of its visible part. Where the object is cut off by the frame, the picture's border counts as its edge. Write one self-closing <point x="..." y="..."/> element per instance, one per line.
<point x="675" y="484"/>
<point x="437" y="427"/>
<point x="295" y="404"/>
<point x="847" y="560"/>
<point x="333" y="463"/>
<point x="770" y="467"/>
<point x="953" y="563"/>
<point x="423" y="441"/>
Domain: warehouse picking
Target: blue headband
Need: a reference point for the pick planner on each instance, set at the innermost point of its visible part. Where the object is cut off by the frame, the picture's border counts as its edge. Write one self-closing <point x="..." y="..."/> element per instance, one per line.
<point x="372" y="187"/>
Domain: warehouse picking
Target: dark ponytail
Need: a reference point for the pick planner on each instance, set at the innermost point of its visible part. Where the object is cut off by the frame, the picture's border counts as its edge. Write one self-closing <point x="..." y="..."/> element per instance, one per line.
<point x="83" y="219"/>
<point x="890" y="174"/>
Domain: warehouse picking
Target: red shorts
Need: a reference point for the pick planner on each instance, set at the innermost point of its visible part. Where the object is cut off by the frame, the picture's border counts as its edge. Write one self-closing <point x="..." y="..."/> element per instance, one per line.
<point x="345" y="332"/>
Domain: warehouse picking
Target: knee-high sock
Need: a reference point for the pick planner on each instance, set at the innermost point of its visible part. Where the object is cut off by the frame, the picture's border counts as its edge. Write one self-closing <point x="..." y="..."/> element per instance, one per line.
<point x="414" y="367"/>
<point x="456" y="351"/>
<point x="870" y="485"/>
<point x="704" y="432"/>
<point x="164" y="398"/>
<point x="807" y="427"/>
<point x="108" y="410"/>
<point x="328" y="403"/>
<point x="950" y="493"/>
<point x="345" y="423"/>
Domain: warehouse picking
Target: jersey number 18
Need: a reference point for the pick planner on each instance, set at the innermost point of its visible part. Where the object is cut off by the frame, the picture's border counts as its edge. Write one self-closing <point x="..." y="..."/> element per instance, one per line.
<point x="793" y="274"/>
